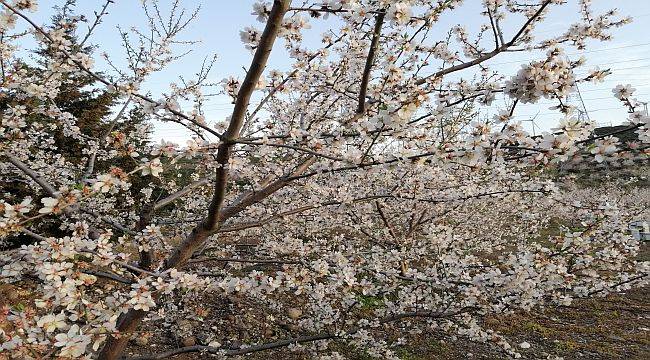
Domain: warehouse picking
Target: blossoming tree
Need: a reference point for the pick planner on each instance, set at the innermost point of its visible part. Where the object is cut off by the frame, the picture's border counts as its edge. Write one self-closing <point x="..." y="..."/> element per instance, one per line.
<point x="355" y="196"/>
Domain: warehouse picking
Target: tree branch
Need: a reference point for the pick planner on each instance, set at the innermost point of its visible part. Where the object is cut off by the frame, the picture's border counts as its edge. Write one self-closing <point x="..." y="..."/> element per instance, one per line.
<point x="257" y="196"/>
<point x="93" y="157"/>
<point x="180" y="193"/>
<point x="241" y="104"/>
<point x="130" y="321"/>
<point x="253" y="224"/>
<point x="98" y="20"/>
<point x="370" y="60"/>
<point x="489" y="55"/>
<point x="49" y="189"/>
<point x="388" y="225"/>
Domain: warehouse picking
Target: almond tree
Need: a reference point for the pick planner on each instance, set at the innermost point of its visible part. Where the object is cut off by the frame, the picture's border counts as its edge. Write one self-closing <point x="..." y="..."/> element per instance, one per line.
<point x="361" y="175"/>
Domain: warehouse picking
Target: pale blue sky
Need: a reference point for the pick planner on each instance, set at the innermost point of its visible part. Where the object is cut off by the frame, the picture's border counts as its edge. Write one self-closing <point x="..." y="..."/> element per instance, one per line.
<point x="219" y="22"/>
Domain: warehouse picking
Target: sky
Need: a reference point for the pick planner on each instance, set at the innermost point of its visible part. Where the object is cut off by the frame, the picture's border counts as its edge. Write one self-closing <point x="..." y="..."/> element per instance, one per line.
<point x="219" y="22"/>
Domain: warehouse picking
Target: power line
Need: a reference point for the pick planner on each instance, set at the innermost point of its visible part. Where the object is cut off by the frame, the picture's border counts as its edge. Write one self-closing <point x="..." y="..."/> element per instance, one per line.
<point x="597" y="90"/>
<point x="585" y="52"/>
<point x="620" y="62"/>
<point x="625" y="68"/>
<point x="589" y="99"/>
<point x="557" y="113"/>
<point x="558" y="29"/>
<point x="581" y="53"/>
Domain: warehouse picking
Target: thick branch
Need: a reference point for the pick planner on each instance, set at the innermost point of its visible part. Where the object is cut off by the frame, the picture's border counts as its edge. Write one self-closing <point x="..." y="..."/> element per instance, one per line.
<point x="130" y="321"/>
<point x="257" y="196"/>
<point x="241" y="105"/>
<point x="370" y="60"/>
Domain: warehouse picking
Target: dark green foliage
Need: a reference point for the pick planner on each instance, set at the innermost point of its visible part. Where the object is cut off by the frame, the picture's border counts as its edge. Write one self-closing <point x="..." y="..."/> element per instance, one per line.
<point x="91" y="105"/>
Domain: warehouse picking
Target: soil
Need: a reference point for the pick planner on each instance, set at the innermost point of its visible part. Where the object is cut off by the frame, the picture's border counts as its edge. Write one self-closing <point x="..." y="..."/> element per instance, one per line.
<point x="614" y="327"/>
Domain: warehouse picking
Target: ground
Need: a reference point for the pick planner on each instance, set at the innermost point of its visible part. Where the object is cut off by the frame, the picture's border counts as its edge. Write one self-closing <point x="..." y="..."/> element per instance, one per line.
<point x="614" y="327"/>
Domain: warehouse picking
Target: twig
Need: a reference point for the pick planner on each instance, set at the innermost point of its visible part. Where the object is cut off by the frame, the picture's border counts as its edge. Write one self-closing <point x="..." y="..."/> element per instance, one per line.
<point x="98" y="19"/>
<point x="238" y="260"/>
<point x="32" y="174"/>
<point x="489" y="55"/>
<point x="93" y="157"/>
<point x="98" y="77"/>
<point x="180" y="193"/>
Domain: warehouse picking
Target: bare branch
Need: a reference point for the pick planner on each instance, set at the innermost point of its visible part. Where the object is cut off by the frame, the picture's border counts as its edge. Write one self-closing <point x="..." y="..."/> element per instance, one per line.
<point x="241" y="104"/>
<point x="93" y="157"/>
<point x="108" y="221"/>
<point x="33" y="234"/>
<point x="253" y="224"/>
<point x="385" y="220"/>
<point x="489" y="55"/>
<point x="274" y="186"/>
<point x="370" y="60"/>
<point x="123" y="264"/>
<point x="108" y="275"/>
<point x="180" y="193"/>
<point x="98" y="20"/>
<point x="32" y="174"/>
<point x="237" y="260"/>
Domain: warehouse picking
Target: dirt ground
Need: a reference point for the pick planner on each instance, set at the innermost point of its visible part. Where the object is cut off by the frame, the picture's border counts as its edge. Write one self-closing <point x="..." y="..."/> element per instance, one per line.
<point x="614" y="327"/>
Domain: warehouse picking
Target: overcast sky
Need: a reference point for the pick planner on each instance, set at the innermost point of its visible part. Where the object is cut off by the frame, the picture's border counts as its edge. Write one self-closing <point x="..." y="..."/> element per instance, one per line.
<point x="219" y="22"/>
